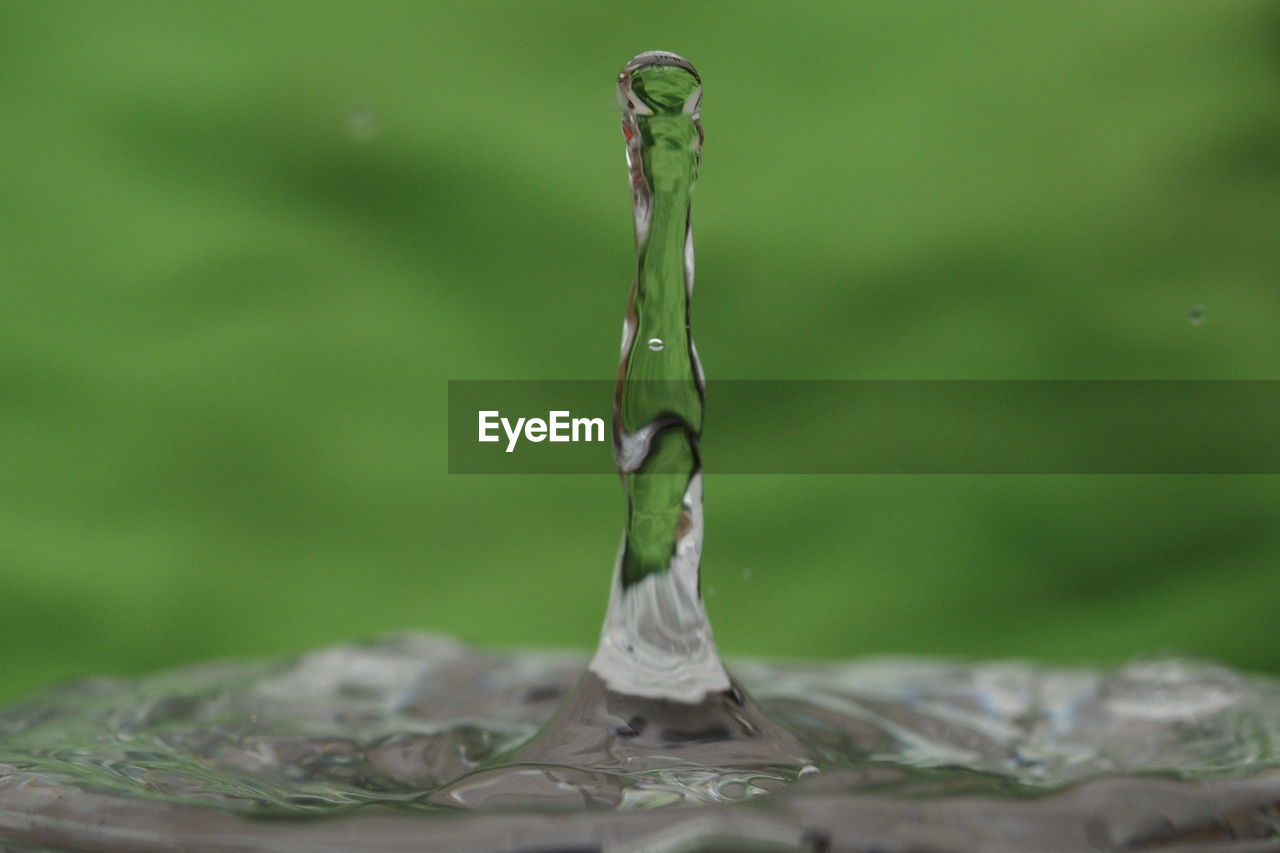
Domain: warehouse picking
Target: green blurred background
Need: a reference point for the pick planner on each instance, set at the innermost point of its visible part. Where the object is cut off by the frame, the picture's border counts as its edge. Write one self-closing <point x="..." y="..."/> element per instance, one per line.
<point x="244" y="245"/>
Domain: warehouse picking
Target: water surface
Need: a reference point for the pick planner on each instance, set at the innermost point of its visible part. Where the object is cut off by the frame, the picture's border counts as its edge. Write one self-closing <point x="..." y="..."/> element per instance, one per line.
<point x="911" y="754"/>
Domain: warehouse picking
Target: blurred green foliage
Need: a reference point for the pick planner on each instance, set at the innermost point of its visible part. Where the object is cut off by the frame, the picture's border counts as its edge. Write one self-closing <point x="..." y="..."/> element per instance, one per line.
<point x="244" y="245"/>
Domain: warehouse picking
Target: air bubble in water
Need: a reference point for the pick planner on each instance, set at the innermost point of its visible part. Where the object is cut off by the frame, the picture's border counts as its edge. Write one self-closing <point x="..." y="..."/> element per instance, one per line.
<point x="656" y="344"/>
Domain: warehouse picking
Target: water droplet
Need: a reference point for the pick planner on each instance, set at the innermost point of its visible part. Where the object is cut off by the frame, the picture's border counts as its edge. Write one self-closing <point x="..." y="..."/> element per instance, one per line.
<point x="1196" y="315"/>
<point x="363" y="124"/>
<point x="656" y="344"/>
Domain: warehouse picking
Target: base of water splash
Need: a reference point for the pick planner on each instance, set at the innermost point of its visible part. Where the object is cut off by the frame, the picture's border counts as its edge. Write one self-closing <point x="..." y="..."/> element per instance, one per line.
<point x="397" y="743"/>
<point x="610" y="750"/>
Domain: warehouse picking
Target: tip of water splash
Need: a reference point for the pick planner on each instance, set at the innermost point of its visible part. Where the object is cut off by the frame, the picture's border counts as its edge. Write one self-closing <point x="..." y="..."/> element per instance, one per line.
<point x="661" y="82"/>
<point x="658" y="58"/>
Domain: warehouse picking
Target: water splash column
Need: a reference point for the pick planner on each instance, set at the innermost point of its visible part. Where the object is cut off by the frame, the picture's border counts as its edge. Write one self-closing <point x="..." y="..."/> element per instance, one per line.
<point x="656" y="640"/>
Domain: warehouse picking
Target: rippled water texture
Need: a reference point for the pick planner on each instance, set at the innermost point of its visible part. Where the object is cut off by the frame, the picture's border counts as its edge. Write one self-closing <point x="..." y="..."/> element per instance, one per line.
<point x="916" y="755"/>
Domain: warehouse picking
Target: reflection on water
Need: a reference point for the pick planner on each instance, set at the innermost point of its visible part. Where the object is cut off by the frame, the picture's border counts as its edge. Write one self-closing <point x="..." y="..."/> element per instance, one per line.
<point x="399" y="738"/>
